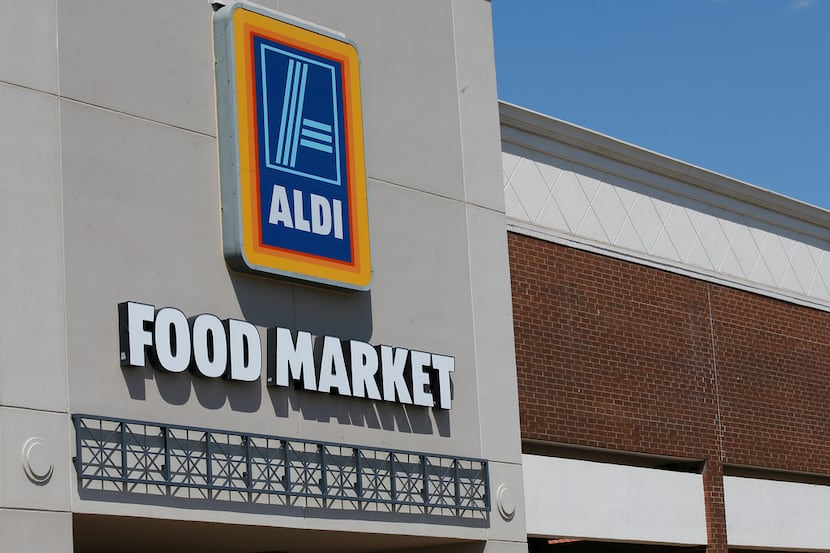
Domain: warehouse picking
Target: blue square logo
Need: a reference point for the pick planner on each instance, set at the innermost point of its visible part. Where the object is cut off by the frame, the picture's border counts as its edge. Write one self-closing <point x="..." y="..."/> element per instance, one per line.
<point x="302" y="136"/>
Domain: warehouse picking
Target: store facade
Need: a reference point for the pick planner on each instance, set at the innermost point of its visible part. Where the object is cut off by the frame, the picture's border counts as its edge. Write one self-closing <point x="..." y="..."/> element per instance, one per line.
<point x="671" y="349"/>
<point x="286" y="276"/>
<point x="160" y="394"/>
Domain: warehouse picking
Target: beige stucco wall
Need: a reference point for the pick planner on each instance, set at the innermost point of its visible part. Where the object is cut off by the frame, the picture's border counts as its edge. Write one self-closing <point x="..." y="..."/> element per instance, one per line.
<point x="110" y="192"/>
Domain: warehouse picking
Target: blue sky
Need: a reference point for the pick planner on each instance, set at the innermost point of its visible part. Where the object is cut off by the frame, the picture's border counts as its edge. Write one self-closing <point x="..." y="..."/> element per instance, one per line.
<point x="740" y="87"/>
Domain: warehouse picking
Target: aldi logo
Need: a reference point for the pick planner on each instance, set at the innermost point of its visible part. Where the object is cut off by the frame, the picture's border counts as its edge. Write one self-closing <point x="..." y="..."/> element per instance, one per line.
<point x="307" y="121"/>
<point x="291" y="150"/>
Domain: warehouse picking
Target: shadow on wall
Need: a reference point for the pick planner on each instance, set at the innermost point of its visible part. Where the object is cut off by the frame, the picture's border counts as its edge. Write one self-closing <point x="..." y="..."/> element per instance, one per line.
<point x="218" y="500"/>
<point x="94" y="533"/>
<point x="410" y="419"/>
<point x="185" y="466"/>
<point x="267" y="303"/>
<point x="246" y="397"/>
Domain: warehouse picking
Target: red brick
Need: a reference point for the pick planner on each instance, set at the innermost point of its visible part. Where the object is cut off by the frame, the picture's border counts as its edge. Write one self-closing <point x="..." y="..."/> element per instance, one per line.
<point x="626" y="357"/>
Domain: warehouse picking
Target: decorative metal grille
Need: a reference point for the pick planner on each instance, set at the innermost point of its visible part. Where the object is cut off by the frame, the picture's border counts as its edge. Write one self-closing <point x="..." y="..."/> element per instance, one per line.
<point x="164" y="456"/>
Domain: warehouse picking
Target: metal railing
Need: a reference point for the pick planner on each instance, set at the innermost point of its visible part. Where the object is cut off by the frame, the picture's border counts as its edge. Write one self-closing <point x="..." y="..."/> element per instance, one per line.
<point x="133" y="452"/>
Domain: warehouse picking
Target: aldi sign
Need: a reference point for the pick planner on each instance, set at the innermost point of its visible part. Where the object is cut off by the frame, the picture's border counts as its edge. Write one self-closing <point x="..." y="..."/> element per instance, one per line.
<point x="292" y="165"/>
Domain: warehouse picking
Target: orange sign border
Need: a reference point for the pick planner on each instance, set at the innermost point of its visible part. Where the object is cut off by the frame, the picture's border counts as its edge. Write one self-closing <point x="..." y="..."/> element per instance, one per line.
<point x="246" y="250"/>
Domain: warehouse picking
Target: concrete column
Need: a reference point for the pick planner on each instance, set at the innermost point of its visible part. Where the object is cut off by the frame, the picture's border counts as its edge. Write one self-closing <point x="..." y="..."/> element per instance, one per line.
<point x="25" y="531"/>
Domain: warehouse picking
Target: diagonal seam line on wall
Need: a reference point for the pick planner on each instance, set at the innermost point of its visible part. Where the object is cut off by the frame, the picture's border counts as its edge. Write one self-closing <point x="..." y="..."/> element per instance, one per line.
<point x="718" y="419"/>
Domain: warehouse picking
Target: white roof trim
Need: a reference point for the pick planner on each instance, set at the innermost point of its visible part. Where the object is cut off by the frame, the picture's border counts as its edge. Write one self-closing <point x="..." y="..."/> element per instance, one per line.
<point x="758" y="203"/>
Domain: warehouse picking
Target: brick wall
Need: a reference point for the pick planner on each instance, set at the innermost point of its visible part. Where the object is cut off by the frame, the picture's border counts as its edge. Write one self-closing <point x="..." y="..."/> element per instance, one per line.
<point x="621" y="356"/>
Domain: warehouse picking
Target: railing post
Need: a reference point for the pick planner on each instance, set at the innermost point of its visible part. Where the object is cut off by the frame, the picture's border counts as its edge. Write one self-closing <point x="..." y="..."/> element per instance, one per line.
<point x="208" y="467"/>
<point x="323" y="483"/>
<point x="249" y="482"/>
<point x="165" y="432"/>
<point x="486" y="472"/>
<point x="79" y="465"/>
<point x="123" y="451"/>
<point x="393" y="487"/>
<point x="457" y="485"/>
<point x="358" y="485"/>
<point x="425" y="480"/>
<point x="287" y="465"/>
